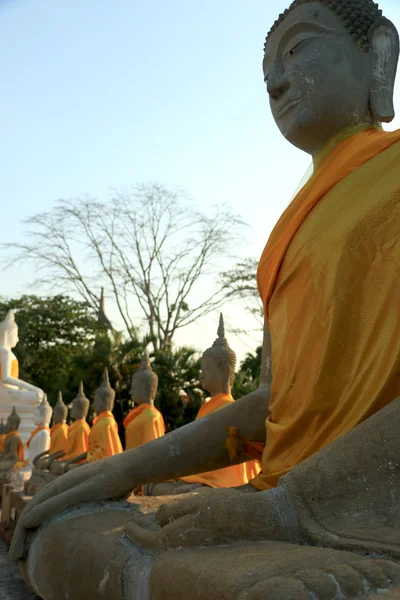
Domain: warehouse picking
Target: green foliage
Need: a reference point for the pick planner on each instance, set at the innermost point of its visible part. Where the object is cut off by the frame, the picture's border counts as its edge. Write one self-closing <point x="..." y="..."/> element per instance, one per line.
<point x="248" y="376"/>
<point x="52" y="332"/>
<point x="178" y="370"/>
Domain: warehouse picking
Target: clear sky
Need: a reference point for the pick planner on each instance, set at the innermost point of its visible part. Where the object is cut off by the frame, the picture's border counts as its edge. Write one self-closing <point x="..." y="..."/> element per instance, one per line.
<point x="105" y="93"/>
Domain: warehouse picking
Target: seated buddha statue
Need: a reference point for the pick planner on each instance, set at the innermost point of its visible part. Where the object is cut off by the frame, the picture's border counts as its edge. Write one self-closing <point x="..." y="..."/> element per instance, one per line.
<point x="13" y="449"/>
<point x="323" y="519"/>
<point x="39" y="440"/>
<point x="218" y="365"/>
<point x="58" y="435"/>
<point x="104" y="440"/>
<point x="78" y="435"/>
<point x="50" y="465"/>
<point x="145" y="422"/>
<point x="13" y="390"/>
<point x="2" y="435"/>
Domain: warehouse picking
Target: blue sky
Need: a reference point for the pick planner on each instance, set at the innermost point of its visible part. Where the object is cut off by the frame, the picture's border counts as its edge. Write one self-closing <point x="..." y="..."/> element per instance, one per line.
<point x="106" y="93"/>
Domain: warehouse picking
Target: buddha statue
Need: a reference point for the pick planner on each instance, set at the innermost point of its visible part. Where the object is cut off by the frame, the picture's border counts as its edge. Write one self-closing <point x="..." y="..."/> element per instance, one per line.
<point x="58" y="435"/>
<point x="2" y="435"/>
<point x="104" y="440"/>
<point x="78" y="435"/>
<point x="144" y="422"/>
<point x="13" y="449"/>
<point x="322" y="519"/>
<point x="14" y="391"/>
<point x="39" y="440"/>
<point x="218" y="366"/>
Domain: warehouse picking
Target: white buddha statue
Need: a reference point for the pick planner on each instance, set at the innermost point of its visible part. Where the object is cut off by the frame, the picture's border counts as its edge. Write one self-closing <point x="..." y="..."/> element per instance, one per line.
<point x="13" y="391"/>
<point x="39" y="440"/>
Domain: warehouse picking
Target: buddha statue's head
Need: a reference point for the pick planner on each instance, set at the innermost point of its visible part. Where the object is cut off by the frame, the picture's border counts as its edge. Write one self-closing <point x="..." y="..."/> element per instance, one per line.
<point x="43" y="413"/>
<point x="144" y="382"/>
<point x="80" y="405"/>
<point x="330" y="65"/>
<point x="218" y="365"/>
<point x="9" y="331"/>
<point x="2" y="428"/>
<point x="13" y="421"/>
<point x="104" y="396"/>
<point x="60" y="410"/>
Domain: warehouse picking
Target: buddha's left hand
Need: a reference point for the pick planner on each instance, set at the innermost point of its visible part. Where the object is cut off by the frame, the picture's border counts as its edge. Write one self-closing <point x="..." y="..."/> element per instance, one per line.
<point x="218" y="517"/>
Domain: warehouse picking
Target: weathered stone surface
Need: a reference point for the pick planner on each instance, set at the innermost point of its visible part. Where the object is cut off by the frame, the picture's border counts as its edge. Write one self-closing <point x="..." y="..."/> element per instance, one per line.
<point x="12" y="586"/>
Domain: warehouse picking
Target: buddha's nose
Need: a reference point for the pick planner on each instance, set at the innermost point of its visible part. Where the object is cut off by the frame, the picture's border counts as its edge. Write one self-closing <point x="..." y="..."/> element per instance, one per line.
<point x="277" y="83"/>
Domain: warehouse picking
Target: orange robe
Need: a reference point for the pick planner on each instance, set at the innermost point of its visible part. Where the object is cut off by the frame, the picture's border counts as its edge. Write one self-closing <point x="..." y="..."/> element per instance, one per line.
<point x="58" y="437"/>
<point x="143" y="424"/>
<point x="77" y="440"/>
<point x="20" y="449"/>
<point x="329" y="279"/>
<point x="2" y="438"/>
<point x="104" y="439"/>
<point x="233" y="476"/>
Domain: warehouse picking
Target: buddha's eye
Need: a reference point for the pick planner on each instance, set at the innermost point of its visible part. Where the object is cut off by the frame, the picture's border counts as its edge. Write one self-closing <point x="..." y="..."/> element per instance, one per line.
<point x="294" y="48"/>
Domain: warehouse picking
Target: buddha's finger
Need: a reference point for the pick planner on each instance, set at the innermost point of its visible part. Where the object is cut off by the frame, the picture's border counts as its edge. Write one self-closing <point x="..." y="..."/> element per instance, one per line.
<point x="17" y="548"/>
<point x="183" y="532"/>
<point x="143" y="537"/>
<point x="55" y="504"/>
<point x="170" y="512"/>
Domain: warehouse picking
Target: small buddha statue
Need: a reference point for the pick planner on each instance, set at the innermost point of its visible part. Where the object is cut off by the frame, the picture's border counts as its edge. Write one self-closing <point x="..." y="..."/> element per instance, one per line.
<point x="78" y="435"/>
<point x="145" y="422"/>
<point x="2" y="435"/>
<point x="13" y="449"/>
<point x="104" y="440"/>
<point x="58" y="435"/>
<point x="218" y="365"/>
<point x="13" y="390"/>
<point x="39" y="440"/>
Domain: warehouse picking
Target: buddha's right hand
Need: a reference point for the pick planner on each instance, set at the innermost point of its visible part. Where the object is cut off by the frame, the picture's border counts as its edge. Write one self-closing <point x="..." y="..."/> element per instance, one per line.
<point x="101" y="480"/>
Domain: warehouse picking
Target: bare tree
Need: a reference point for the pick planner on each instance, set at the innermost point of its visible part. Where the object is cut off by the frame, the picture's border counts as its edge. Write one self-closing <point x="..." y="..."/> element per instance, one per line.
<point x="147" y="246"/>
<point x="240" y="283"/>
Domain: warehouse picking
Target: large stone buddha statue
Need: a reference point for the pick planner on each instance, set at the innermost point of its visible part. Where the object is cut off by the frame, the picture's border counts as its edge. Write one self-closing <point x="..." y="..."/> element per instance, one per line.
<point x="323" y="520"/>
<point x="13" y="390"/>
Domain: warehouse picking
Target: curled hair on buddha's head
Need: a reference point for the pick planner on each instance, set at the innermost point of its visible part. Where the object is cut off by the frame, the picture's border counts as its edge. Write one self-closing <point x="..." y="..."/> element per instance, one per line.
<point x="221" y="351"/>
<point x="358" y="16"/>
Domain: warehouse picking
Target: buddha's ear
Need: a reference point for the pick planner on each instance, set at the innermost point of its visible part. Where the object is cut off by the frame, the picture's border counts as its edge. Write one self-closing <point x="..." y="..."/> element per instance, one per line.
<point x="384" y="41"/>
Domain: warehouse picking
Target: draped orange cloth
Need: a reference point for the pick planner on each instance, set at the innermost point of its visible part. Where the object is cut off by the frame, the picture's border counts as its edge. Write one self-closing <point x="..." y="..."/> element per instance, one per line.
<point x="58" y="437"/>
<point x="14" y="369"/>
<point x="20" y="450"/>
<point x="35" y="431"/>
<point x="143" y="424"/>
<point x="329" y="279"/>
<point x="2" y="438"/>
<point x="104" y="439"/>
<point x="233" y="476"/>
<point x="77" y="440"/>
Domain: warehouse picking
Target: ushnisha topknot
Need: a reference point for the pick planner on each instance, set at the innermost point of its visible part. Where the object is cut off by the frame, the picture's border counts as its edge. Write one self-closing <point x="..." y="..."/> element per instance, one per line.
<point x="221" y="351"/>
<point x="358" y="16"/>
<point x="60" y="409"/>
<point x="147" y="375"/>
<point x="105" y="390"/>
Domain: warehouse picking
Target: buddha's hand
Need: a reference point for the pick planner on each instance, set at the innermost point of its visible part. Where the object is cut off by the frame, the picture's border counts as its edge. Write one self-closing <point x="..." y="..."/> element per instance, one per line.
<point x="101" y="480"/>
<point x="219" y="517"/>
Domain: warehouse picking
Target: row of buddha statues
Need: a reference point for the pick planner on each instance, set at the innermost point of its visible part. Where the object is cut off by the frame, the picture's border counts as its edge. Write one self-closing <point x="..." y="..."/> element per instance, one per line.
<point x="61" y="448"/>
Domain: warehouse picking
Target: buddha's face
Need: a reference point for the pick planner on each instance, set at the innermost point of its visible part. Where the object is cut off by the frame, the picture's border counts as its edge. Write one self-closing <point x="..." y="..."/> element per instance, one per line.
<point x="78" y="411"/>
<point x="98" y="403"/>
<point x="59" y="415"/>
<point x="140" y="389"/>
<point x="212" y="375"/>
<point x="12" y="337"/>
<point x="11" y="424"/>
<point x="317" y="79"/>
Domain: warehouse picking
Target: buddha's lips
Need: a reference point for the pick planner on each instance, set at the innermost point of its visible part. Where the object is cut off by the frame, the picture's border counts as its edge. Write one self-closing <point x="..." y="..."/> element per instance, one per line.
<point x="287" y="106"/>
